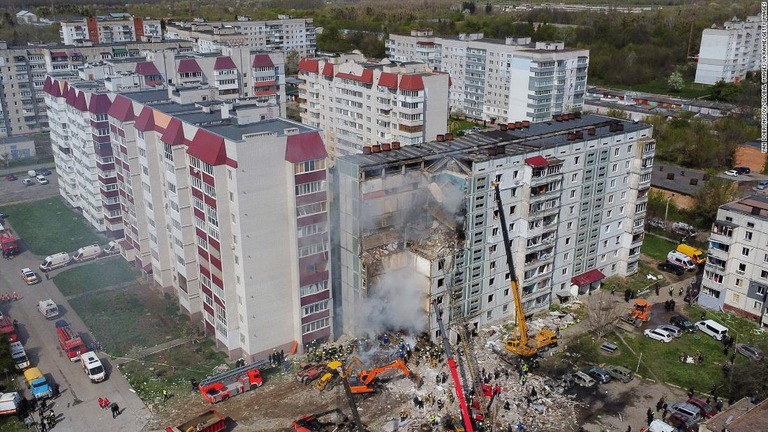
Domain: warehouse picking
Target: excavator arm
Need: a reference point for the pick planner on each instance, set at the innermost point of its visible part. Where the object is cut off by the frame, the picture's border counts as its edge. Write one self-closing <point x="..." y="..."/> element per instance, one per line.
<point x="367" y="377"/>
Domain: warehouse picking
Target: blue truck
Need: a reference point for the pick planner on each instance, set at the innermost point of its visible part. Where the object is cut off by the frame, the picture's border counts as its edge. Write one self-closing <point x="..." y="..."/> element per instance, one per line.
<point x="37" y="383"/>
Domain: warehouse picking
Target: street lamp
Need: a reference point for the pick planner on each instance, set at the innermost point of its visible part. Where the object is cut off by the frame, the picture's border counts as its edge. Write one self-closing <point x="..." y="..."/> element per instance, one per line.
<point x="666" y="209"/>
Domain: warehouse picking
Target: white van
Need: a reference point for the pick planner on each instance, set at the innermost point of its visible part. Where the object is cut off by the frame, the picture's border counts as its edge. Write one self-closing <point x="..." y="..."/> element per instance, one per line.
<point x="32" y="173"/>
<point x="54" y="261"/>
<point x="712" y="328"/>
<point x="92" y="366"/>
<point x="19" y="356"/>
<point x="682" y="260"/>
<point x="87" y="253"/>
<point x="111" y="248"/>
<point x="48" y="309"/>
<point x="660" y="426"/>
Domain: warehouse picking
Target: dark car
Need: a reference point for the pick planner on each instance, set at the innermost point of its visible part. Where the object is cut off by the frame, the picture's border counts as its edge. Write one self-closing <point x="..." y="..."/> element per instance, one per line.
<point x="599" y="374"/>
<point x="671" y="268"/>
<point x="707" y="410"/>
<point x="44" y="171"/>
<point x="682" y="423"/>
<point x="11" y="177"/>
<point x="683" y="323"/>
<point x="749" y="351"/>
<point x="742" y="170"/>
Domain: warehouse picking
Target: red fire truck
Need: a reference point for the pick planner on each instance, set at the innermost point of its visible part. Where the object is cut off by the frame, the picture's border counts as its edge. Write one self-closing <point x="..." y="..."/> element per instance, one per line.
<point x="69" y="341"/>
<point x="7" y="329"/>
<point x="232" y="382"/>
<point x="9" y="243"/>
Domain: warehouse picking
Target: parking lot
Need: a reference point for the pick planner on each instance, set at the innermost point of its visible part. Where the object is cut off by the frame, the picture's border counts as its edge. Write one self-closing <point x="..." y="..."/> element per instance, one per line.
<point x="16" y="191"/>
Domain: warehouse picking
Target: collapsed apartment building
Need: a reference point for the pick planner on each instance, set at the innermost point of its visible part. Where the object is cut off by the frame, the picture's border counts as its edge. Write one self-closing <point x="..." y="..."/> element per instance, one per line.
<point x="417" y="224"/>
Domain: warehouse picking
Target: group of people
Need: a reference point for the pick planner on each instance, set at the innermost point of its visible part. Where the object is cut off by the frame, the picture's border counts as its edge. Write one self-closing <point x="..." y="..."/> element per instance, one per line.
<point x="276" y="358"/>
<point x="104" y="403"/>
<point x="669" y="305"/>
<point x="5" y="297"/>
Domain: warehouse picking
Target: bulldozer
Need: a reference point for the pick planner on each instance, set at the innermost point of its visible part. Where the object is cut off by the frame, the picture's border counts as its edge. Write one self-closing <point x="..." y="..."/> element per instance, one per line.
<point x="326" y="380"/>
<point x="638" y="314"/>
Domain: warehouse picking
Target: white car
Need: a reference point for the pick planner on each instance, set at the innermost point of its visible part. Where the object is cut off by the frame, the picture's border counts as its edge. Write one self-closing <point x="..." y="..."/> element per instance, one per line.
<point x="732" y="173"/>
<point x="29" y="276"/>
<point x="659" y="335"/>
<point x="42" y="180"/>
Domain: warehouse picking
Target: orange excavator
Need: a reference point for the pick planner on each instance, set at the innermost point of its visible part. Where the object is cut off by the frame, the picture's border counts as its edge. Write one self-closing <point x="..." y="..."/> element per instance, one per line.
<point x="639" y="314"/>
<point x="364" y="381"/>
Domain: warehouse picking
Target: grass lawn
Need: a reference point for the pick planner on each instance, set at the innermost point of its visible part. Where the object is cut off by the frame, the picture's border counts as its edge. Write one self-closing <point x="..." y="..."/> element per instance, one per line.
<point x="49" y="226"/>
<point x="691" y="89"/>
<point x="656" y="247"/>
<point x="131" y="318"/>
<point x="95" y="276"/>
<point x="456" y="125"/>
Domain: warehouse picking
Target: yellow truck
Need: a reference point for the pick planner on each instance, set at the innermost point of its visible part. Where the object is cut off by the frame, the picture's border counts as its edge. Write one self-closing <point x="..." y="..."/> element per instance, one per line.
<point x="696" y="255"/>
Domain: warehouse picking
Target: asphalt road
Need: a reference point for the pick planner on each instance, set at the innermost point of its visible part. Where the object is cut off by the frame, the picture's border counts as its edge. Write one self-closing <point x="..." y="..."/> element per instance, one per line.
<point x="77" y="407"/>
<point x="15" y="191"/>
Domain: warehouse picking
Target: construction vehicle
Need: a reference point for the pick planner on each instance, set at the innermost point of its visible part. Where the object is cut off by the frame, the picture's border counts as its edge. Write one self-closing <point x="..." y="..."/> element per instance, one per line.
<point x="638" y="314"/>
<point x="328" y="376"/>
<point x="209" y="421"/>
<point x="221" y="387"/>
<point x="309" y="372"/>
<point x="364" y="382"/>
<point x="467" y="419"/>
<point x="313" y="422"/>
<point x="520" y="343"/>
<point x="9" y="243"/>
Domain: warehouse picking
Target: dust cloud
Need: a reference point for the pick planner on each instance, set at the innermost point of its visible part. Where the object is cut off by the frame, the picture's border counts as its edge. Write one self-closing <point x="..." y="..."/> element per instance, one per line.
<point x="396" y="302"/>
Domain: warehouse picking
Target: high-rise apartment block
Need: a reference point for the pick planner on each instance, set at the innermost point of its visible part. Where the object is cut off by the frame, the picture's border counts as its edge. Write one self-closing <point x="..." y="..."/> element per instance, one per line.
<point x="112" y="28"/>
<point x="501" y="81"/>
<point x="736" y="272"/>
<point x="223" y="203"/>
<point x="419" y="224"/>
<point x="357" y="103"/>
<point x="728" y="53"/>
<point x="284" y="34"/>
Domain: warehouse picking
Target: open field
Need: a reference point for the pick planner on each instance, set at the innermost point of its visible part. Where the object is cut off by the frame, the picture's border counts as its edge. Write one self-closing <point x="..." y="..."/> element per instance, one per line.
<point x="95" y="276"/>
<point x="657" y="247"/>
<point x="691" y="90"/>
<point x="49" y="226"/>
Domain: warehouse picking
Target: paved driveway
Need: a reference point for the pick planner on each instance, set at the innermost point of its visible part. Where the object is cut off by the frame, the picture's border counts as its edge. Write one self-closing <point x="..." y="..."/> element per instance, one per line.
<point x="15" y="191"/>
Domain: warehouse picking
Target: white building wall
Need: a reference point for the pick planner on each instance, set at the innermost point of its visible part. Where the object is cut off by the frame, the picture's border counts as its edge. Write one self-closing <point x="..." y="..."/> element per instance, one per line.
<point x="730" y="52"/>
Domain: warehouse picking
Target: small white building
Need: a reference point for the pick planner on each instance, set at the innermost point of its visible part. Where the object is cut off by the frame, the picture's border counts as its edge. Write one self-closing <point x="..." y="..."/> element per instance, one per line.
<point x="25" y="17"/>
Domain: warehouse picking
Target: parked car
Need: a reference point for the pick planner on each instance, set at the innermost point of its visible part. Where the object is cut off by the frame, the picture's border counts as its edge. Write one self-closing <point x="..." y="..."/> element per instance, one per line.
<point x="599" y="374"/>
<point x="669" y="328"/>
<point x="11" y="177"/>
<point x="659" y="335"/>
<point x="682" y="423"/>
<point x="749" y="351"/>
<point x="671" y="268"/>
<point x="687" y="410"/>
<point x="620" y="373"/>
<point x="658" y="223"/>
<point x="28" y="182"/>
<point x="583" y="379"/>
<point x="762" y="184"/>
<point x="42" y="180"/>
<point x="44" y="171"/>
<point x="29" y="276"/>
<point x="707" y="410"/>
<point x="683" y="228"/>
<point x="683" y="323"/>
<point x="732" y="173"/>
<point x="742" y="170"/>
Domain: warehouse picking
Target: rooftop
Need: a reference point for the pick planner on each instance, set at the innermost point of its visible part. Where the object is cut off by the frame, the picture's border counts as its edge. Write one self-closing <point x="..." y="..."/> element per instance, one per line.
<point x="743" y="416"/>
<point x="754" y="205"/>
<point x="678" y="179"/>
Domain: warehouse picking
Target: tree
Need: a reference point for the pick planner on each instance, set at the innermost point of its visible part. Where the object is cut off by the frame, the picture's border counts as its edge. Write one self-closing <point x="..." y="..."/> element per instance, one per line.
<point x="675" y="82"/>
<point x="292" y="62"/>
<point x="725" y="92"/>
<point x="488" y="8"/>
<point x="6" y="158"/>
<point x="714" y="193"/>
<point x="468" y="6"/>
<point x="601" y="311"/>
<point x="617" y="113"/>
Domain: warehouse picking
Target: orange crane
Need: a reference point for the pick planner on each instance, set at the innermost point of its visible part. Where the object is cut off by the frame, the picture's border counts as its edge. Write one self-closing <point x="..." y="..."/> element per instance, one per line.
<point x="363" y="382"/>
<point x="519" y="343"/>
<point x="454" y="371"/>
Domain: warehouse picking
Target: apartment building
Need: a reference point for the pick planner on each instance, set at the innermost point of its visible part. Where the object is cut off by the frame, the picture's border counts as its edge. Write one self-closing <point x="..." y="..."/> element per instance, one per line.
<point x="23" y="70"/>
<point x="501" y="80"/>
<point x="284" y="34"/>
<point x="727" y="53"/>
<point x="419" y="224"/>
<point x="203" y="186"/>
<point x="736" y="272"/>
<point x="358" y="103"/>
<point x="112" y="28"/>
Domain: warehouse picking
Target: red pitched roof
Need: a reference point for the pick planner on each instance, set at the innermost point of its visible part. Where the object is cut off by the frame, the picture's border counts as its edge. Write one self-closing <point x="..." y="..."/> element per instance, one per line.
<point x="100" y="103"/>
<point x="388" y="79"/>
<point x="411" y="82"/>
<point x="304" y="147"/>
<point x="587" y="278"/>
<point x="309" y="65"/>
<point x="537" y="161"/>
<point x="71" y="96"/>
<point x="365" y="77"/>
<point x="174" y="132"/>
<point x="55" y="88"/>
<point x="47" y="85"/>
<point x="262" y="61"/>
<point x="208" y="147"/>
<point x="80" y="103"/>
<point x="224" y="63"/>
<point x="328" y="70"/>
<point x="121" y="109"/>
<point x="146" y="68"/>
<point x="58" y="54"/>
<point x="146" y="120"/>
<point x="189" y="66"/>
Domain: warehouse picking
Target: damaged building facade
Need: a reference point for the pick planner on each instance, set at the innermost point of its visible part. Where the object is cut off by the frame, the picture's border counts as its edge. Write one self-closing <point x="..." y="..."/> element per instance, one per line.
<point x="417" y="224"/>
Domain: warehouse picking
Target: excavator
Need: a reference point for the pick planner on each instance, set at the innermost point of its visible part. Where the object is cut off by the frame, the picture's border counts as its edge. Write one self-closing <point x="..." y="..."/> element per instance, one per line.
<point x="364" y="381"/>
<point x="639" y="314"/>
<point x="520" y="343"/>
<point x="313" y="422"/>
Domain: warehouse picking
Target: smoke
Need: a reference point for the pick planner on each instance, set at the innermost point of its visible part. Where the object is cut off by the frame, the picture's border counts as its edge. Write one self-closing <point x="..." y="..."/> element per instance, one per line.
<point x="396" y="301"/>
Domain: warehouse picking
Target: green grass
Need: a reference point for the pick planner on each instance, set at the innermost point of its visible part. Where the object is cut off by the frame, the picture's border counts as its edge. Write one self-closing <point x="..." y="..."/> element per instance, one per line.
<point x="132" y="318"/>
<point x="656" y="247"/>
<point x="98" y="275"/>
<point x="691" y="90"/>
<point x="49" y="226"/>
<point x="456" y="125"/>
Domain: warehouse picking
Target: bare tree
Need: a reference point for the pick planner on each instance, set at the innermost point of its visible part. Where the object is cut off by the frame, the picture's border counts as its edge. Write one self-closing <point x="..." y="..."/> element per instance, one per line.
<point x="5" y="158"/>
<point x="601" y="311"/>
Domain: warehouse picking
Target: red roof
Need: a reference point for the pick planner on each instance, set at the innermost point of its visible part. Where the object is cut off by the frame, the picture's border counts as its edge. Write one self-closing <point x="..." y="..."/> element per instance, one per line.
<point x="58" y="54"/>
<point x="388" y="79"/>
<point x="208" y="147"/>
<point x="146" y="120"/>
<point x="71" y="96"/>
<point x="427" y="43"/>
<point x="64" y="88"/>
<point x="587" y="278"/>
<point x="47" y="85"/>
<point x="224" y="63"/>
<point x="304" y="147"/>
<point x="258" y="93"/>
<point x="328" y="70"/>
<point x="189" y="66"/>
<point x="100" y="103"/>
<point x="55" y="88"/>
<point x="264" y="83"/>
<point x="80" y="103"/>
<point x="537" y="161"/>
<point x="309" y="65"/>
<point x="174" y="132"/>
<point x="411" y="82"/>
<point x="366" y="77"/>
<point x="262" y="61"/>
<point x="146" y="68"/>
<point x="121" y="109"/>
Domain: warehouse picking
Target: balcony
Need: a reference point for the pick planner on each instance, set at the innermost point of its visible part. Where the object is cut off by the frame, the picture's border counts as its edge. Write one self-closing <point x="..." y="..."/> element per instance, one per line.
<point x="543" y="192"/>
<point x="722" y="231"/>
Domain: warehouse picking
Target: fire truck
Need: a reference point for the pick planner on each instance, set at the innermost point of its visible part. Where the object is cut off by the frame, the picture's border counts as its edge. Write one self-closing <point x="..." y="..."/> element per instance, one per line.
<point x="69" y="341"/>
<point x="7" y="329"/>
<point x="223" y="386"/>
<point x="9" y="243"/>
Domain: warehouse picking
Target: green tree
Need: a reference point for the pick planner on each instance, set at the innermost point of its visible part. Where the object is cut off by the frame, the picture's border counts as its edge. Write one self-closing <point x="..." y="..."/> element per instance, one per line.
<point x="675" y="82"/>
<point x="488" y="8"/>
<point x="725" y="92"/>
<point x="714" y="193"/>
<point x="292" y="62"/>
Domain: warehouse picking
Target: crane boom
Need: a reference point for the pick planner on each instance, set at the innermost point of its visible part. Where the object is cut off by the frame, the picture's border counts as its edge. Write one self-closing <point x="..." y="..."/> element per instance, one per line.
<point x="351" y="401"/>
<point x="454" y="370"/>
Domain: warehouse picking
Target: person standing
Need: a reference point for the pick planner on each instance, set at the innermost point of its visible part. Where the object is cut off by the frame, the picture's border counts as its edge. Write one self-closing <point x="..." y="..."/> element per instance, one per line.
<point x="649" y="415"/>
<point x="165" y="395"/>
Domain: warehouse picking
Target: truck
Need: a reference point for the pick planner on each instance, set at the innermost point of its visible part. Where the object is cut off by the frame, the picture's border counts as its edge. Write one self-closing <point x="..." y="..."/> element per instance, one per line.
<point x="209" y="421"/>
<point x="695" y="254"/>
<point x="10" y="403"/>
<point x="221" y="387"/>
<point x="9" y="243"/>
<point x="19" y="356"/>
<point x="52" y="262"/>
<point x="7" y="329"/>
<point x="309" y="372"/>
<point x="48" y="309"/>
<point x="87" y="253"/>
<point x="37" y="383"/>
<point x="69" y="341"/>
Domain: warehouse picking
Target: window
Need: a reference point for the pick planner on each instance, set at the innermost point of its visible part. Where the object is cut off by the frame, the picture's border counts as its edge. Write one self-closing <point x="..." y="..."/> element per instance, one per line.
<point x="568" y="240"/>
<point x="309" y="166"/>
<point x="308" y="188"/>
<point x="763" y="274"/>
<point x="748" y="235"/>
<point x="210" y="190"/>
<point x="314" y="288"/>
<point x="314" y="308"/>
<point x="742" y="268"/>
<point x="315" y="325"/>
<point x="311" y="209"/>
<point x="213" y="218"/>
<point x="745" y="251"/>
